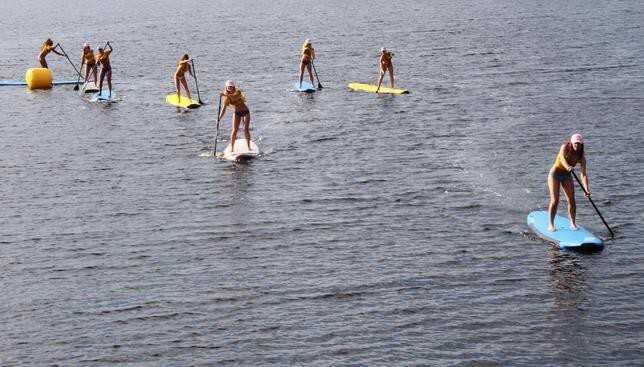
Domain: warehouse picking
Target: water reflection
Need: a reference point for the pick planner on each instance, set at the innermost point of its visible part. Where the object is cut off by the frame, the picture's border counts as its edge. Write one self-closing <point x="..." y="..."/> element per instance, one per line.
<point x="240" y="182"/>
<point x="568" y="279"/>
<point x="569" y="288"/>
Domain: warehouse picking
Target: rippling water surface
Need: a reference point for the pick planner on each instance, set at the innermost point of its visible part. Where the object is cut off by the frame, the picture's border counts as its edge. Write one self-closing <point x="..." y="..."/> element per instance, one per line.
<point x="374" y="230"/>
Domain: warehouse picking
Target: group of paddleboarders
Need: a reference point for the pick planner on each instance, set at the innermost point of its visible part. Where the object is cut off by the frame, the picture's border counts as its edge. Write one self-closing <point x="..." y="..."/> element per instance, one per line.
<point x="559" y="177"/>
<point x="231" y="95"/>
<point x="234" y="97"/>
<point x="88" y="59"/>
<point x="92" y="62"/>
<point x="308" y="55"/>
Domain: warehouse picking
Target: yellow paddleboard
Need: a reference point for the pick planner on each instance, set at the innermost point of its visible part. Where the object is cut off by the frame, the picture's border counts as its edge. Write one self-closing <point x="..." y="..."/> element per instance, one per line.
<point x="372" y="88"/>
<point x="185" y="102"/>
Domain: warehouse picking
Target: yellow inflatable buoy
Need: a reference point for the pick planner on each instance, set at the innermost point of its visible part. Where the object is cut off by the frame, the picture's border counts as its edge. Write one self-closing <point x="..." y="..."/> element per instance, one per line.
<point x="38" y="78"/>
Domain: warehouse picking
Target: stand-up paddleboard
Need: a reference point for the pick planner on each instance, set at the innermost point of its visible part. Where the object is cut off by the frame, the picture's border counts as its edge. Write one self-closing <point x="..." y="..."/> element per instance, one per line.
<point x="372" y="88"/>
<point x="104" y="95"/>
<point x="184" y="102"/>
<point x="563" y="236"/>
<point x="306" y="87"/>
<point x="55" y="82"/>
<point x="241" y="152"/>
<point x="90" y="87"/>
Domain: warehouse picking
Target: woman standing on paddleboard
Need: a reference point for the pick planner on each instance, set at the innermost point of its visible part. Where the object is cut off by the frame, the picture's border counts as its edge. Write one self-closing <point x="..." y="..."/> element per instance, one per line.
<point x="46" y="48"/>
<point x="569" y="155"/>
<point x="308" y="55"/>
<point x="234" y="97"/>
<point x="103" y="58"/>
<point x="88" y="58"/>
<point x="386" y="64"/>
<point x="179" y="77"/>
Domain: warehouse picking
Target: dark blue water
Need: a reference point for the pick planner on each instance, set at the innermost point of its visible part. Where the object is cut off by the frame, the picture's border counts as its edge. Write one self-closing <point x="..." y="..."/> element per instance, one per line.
<point x="374" y="230"/>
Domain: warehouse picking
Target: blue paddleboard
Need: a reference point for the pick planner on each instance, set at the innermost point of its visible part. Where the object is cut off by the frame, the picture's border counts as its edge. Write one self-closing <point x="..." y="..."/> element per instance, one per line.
<point x="306" y="87"/>
<point x="55" y="82"/>
<point x="563" y="236"/>
<point x="103" y="96"/>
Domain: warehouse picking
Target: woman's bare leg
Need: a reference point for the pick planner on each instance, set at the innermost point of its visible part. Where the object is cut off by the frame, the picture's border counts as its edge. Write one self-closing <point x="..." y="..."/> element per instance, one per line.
<point x="553" y="188"/>
<point x="569" y="192"/>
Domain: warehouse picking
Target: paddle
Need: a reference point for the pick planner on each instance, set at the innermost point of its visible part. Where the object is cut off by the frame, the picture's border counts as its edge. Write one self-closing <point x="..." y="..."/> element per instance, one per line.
<point x="79" y="76"/>
<point x="194" y="71"/>
<point x="217" y="133"/>
<point x="594" y="206"/>
<point x="70" y="61"/>
<point x="316" y="75"/>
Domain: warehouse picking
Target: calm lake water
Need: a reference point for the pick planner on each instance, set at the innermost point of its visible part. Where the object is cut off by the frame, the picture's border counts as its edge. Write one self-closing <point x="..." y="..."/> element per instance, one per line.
<point x="374" y="230"/>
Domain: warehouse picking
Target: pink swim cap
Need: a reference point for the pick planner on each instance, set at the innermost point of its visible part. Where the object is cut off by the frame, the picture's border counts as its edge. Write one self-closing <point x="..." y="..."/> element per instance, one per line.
<point x="230" y="83"/>
<point x="85" y="44"/>
<point x="307" y="41"/>
<point x="382" y="49"/>
<point x="577" y="138"/>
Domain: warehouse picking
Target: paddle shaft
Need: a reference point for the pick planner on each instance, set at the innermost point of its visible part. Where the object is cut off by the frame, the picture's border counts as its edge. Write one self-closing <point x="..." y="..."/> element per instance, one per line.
<point x="194" y="71"/>
<point x="79" y="76"/>
<point x="217" y="133"/>
<point x="316" y="75"/>
<point x="68" y="59"/>
<point x="594" y="206"/>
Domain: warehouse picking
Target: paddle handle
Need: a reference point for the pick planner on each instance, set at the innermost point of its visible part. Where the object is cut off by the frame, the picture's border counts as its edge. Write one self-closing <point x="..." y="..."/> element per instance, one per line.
<point x="594" y="206"/>
<point x="70" y="61"/>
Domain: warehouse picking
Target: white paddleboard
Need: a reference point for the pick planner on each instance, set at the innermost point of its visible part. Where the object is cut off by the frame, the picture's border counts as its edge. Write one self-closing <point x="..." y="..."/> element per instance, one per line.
<point x="241" y="152"/>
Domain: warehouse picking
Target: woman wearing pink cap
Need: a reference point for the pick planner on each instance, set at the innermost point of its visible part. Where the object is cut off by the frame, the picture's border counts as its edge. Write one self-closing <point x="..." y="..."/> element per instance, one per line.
<point x="386" y="64"/>
<point x="569" y="155"/>
<point x="308" y="55"/>
<point x="88" y="58"/>
<point x="234" y="97"/>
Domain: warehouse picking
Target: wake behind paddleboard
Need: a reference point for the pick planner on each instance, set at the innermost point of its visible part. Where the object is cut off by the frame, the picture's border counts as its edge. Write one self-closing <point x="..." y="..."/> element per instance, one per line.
<point x="183" y="102"/>
<point x="104" y="95"/>
<point x="306" y="87"/>
<point x="241" y="152"/>
<point x="372" y="88"/>
<point x="563" y="236"/>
